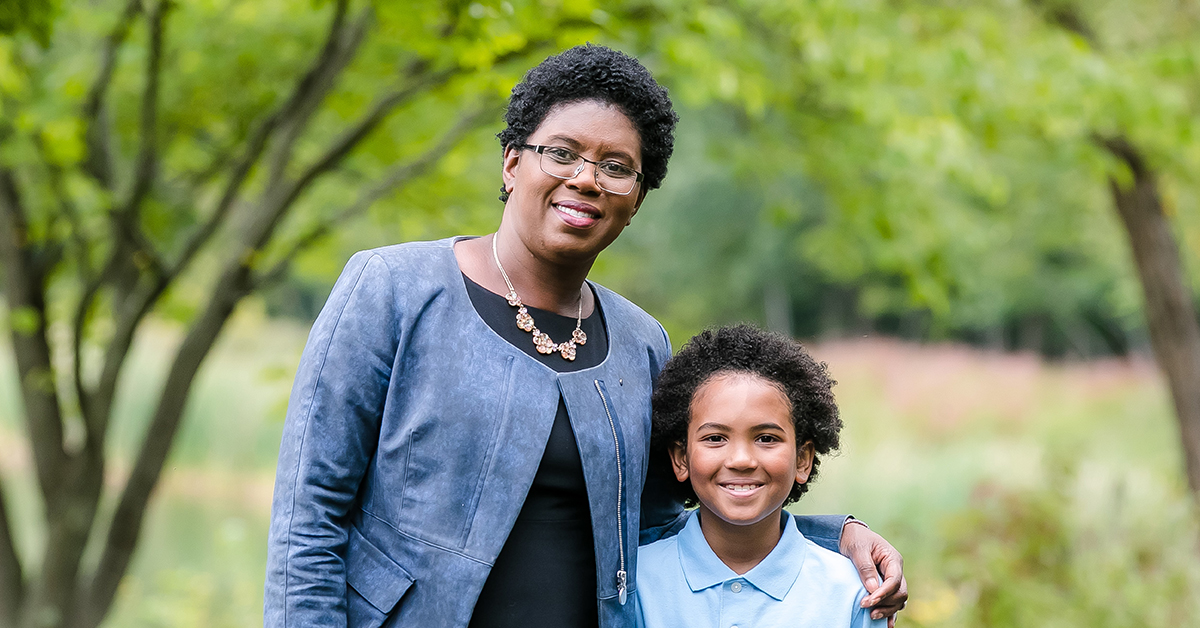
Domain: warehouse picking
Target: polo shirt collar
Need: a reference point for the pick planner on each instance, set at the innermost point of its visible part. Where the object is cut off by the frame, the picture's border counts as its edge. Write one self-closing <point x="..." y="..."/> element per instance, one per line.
<point x="774" y="576"/>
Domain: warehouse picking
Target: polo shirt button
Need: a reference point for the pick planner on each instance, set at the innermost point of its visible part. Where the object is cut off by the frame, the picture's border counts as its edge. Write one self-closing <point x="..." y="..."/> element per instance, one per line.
<point x="736" y="588"/>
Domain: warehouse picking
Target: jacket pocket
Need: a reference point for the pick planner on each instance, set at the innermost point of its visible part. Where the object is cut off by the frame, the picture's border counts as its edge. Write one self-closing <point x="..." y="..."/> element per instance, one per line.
<point x="375" y="583"/>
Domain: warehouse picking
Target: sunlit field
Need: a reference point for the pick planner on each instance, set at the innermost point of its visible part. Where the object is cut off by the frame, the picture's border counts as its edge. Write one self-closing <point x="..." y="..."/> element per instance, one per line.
<point x="1022" y="493"/>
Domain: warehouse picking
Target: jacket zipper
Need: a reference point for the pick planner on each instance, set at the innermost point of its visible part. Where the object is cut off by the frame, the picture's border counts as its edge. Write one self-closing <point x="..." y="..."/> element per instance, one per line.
<point x="621" y="575"/>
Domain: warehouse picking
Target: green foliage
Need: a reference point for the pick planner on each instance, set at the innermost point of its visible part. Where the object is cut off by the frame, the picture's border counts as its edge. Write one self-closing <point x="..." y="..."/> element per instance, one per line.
<point x="1075" y="552"/>
<point x="35" y="17"/>
<point x="950" y="151"/>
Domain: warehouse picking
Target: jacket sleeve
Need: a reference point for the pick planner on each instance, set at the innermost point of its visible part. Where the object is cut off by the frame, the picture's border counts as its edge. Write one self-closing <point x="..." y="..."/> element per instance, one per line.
<point x="662" y="510"/>
<point x="662" y="513"/>
<point x="329" y="436"/>
<point x="824" y="530"/>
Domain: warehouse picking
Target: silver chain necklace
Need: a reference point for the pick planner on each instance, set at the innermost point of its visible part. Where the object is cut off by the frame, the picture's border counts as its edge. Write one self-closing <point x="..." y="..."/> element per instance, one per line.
<point x="541" y="341"/>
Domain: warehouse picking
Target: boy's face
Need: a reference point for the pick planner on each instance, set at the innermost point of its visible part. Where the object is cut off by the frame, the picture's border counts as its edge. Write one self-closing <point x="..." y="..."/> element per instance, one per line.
<point x="741" y="454"/>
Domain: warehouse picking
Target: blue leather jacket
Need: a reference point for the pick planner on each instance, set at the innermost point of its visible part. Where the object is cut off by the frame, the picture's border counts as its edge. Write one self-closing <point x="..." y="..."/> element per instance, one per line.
<point x="413" y="433"/>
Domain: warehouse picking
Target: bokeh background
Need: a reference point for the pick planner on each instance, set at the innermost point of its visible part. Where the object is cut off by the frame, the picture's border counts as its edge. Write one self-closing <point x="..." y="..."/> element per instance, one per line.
<point x="921" y="191"/>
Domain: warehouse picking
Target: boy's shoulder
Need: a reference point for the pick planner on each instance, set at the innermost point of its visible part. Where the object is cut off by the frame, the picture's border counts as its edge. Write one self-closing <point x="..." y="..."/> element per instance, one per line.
<point x="658" y="557"/>
<point x="830" y="566"/>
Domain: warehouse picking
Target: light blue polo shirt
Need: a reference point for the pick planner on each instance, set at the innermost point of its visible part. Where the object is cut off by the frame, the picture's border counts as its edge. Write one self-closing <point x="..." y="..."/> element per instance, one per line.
<point x="681" y="582"/>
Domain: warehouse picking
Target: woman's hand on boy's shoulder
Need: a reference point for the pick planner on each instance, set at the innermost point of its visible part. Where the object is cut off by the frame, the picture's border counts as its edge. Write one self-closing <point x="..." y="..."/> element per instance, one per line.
<point x="873" y="555"/>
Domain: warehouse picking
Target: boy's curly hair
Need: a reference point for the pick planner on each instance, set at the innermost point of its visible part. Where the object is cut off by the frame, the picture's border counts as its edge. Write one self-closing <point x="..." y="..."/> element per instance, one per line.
<point x="745" y="349"/>
<point x="591" y="72"/>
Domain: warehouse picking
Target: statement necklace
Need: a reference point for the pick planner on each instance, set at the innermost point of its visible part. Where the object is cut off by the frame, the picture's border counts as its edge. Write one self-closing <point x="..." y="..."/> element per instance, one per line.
<point x="541" y="341"/>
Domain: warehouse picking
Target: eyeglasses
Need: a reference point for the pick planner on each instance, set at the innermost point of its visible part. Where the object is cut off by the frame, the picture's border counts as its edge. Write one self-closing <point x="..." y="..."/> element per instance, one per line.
<point x="562" y="163"/>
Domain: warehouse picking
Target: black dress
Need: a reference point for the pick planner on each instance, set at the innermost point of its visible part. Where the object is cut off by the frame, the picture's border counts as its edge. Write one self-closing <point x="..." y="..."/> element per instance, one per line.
<point x="546" y="572"/>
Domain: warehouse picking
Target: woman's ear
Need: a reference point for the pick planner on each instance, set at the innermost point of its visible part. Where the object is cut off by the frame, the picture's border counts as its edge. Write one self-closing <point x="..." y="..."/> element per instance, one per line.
<point x="679" y="462"/>
<point x="512" y="161"/>
<point x="804" y="461"/>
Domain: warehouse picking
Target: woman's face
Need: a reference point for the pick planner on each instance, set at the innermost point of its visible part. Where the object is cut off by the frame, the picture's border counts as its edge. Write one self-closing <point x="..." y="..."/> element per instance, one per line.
<point x="572" y="220"/>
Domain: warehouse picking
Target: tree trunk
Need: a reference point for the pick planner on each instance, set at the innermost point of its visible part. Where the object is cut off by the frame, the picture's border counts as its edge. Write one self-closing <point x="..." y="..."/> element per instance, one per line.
<point x="1170" y="311"/>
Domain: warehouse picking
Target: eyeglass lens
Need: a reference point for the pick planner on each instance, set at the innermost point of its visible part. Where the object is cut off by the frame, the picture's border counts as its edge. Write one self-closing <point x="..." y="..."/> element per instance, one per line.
<point x="566" y="165"/>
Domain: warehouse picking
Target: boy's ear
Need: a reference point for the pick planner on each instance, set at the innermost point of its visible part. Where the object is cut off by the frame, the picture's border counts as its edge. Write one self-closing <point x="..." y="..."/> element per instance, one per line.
<point x="679" y="462"/>
<point x="804" y="460"/>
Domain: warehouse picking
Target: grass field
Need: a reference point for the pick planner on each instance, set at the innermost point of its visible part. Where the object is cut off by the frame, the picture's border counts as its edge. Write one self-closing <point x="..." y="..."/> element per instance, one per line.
<point x="1021" y="493"/>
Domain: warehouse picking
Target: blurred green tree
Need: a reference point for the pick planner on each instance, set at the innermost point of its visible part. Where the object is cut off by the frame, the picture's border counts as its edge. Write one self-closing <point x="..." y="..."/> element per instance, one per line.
<point x="960" y="154"/>
<point x="172" y="157"/>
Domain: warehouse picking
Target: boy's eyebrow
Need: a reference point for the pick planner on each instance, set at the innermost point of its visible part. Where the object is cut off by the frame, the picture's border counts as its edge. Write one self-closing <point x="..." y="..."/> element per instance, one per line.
<point x="721" y="427"/>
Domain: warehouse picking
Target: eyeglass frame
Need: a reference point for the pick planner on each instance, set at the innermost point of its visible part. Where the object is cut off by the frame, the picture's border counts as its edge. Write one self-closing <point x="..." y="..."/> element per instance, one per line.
<point x="541" y="148"/>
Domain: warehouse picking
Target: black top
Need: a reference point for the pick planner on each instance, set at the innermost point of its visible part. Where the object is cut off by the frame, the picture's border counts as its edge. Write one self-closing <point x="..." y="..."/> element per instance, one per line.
<point x="546" y="572"/>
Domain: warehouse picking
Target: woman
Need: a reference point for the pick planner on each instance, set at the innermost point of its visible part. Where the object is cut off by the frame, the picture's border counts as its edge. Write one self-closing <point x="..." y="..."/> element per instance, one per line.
<point x="454" y="457"/>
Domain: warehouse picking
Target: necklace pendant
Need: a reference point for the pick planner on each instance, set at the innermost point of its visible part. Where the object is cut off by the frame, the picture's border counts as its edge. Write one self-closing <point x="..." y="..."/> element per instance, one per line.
<point x="543" y="342"/>
<point x="524" y="320"/>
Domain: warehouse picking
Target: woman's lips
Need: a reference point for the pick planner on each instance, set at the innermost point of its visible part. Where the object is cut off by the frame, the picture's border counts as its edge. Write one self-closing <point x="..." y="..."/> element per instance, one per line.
<point x="578" y="215"/>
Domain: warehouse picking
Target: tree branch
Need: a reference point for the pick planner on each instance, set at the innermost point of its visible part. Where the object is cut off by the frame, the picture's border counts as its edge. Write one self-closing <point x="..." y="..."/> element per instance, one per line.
<point x="24" y="285"/>
<point x="255" y="146"/>
<point x="12" y="586"/>
<point x="133" y="255"/>
<point x="279" y="201"/>
<point x="97" y="406"/>
<point x="235" y="282"/>
<point x="127" y="520"/>
<point x="97" y="161"/>
<point x="421" y="79"/>
<point x="190" y="181"/>
<point x="395" y="178"/>
<point x="1169" y="304"/>
<point x="340" y="47"/>
<point x="127" y="217"/>
<point x="1066" y="15"/>
<point x="68" y="209"/>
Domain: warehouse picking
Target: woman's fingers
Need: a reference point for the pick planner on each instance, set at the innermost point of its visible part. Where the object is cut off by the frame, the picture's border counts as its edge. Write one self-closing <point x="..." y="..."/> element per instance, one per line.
<point x="872" y="554"/>
<point x="891" y="604"/>
<point x="892" y="595"/>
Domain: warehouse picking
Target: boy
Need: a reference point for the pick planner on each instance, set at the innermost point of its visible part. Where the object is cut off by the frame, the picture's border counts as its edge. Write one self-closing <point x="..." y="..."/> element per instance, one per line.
<point x="741" y="414"/>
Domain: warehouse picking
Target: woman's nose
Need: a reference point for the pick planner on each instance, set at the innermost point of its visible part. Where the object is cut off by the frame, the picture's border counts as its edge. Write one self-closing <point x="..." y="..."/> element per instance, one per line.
<point x="585" y="178"/>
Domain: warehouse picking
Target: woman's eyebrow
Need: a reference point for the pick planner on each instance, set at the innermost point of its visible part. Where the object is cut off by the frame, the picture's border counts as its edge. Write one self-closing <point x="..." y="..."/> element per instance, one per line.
<point x="565" y="140"/>
<point x="576" y="146"/>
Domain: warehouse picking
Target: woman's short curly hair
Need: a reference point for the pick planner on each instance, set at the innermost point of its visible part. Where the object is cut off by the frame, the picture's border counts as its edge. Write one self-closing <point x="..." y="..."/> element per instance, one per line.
<point x="591" y="72"/>
<point x="745" y="349"/>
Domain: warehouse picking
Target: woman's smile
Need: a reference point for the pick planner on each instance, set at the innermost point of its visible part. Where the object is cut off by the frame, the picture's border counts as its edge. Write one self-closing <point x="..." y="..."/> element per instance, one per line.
<point x="577" y="213"/>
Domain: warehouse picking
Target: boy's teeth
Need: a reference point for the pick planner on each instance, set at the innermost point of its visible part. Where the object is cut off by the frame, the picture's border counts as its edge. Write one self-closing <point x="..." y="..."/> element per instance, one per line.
<point x="742" y="487"/>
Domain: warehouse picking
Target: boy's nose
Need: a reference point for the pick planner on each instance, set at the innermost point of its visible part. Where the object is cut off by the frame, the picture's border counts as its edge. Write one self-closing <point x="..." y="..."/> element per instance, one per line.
<point x="741" y="457"/>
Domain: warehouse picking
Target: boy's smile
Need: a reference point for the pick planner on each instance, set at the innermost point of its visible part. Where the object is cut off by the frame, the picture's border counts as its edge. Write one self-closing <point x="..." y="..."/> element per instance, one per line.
<point x="741" y="455"/>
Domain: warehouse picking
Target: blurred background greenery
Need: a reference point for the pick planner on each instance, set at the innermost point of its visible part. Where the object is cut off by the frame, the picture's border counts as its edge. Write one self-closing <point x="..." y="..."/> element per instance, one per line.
<point x="919" y="190"/>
